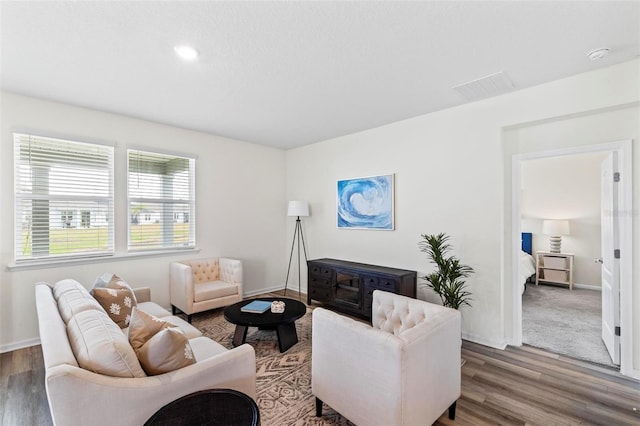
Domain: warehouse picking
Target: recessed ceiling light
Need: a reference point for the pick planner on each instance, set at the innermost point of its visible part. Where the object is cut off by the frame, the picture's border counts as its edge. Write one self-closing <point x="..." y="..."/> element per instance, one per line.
<point x="599" y="53"/>
<point x="187" y="53"/>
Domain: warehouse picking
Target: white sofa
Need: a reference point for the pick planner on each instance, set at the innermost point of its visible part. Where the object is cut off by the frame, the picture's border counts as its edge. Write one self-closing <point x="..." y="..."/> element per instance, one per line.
<point x="402" y="370"/>
<point x="204" y="284"/>
<point x="78" y="396"/>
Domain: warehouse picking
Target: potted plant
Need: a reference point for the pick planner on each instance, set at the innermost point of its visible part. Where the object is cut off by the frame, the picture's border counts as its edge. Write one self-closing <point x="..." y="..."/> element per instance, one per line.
<point x="448" y="280"/>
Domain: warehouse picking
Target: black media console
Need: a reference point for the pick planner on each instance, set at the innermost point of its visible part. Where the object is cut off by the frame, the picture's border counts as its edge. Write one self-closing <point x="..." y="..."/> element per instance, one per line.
<point x="349" y="286"/>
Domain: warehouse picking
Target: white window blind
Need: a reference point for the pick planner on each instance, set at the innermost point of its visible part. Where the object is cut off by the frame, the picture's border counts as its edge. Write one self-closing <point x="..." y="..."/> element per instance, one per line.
<point x="63" y="198"/>
<point x="161" y="201"/>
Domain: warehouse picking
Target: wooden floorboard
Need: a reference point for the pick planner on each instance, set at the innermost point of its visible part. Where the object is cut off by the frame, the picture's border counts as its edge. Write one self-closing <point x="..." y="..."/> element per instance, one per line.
<point x="516" y="386"/>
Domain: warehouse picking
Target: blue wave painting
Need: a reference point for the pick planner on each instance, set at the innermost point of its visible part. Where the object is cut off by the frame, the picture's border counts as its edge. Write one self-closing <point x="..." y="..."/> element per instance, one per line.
<point x="366" y="203"/>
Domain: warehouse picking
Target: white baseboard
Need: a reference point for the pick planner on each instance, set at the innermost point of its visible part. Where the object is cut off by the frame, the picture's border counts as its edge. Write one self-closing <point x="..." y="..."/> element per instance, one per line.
<point x="265" y="290"/>
<point x="587" y="287"/>
<point x="19" y="345"/>
<point x="483" y="341"/>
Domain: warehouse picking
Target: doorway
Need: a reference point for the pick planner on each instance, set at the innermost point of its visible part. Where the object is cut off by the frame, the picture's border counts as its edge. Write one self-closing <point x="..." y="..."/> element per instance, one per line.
<point x="563" y="313"/>
<point x="622" y="151"/>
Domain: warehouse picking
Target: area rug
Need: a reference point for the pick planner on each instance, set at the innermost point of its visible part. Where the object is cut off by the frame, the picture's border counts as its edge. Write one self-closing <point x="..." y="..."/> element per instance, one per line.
<point x="283" y="381"/>
<point x="565" y="322"/>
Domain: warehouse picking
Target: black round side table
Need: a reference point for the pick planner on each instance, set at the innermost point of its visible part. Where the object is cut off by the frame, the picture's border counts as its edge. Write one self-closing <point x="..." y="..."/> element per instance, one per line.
<point x="219" y="407"/>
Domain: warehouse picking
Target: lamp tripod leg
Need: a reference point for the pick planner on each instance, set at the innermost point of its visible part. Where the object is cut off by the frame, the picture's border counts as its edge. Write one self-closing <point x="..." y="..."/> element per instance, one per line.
<point x="304" y="246"/>
<point x="299" y="228"/>
<point x="293" y="242"/>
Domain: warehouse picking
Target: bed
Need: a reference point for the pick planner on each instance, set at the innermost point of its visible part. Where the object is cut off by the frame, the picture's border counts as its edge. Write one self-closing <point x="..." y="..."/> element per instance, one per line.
<point x="527" y="262"/>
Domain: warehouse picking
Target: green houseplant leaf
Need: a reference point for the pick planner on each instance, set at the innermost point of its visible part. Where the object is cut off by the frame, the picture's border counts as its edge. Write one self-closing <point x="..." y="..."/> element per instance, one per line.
<point x="448" y="280"/>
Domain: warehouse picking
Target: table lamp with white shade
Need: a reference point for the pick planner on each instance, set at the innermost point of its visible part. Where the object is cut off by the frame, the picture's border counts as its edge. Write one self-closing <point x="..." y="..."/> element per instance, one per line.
<point x="555" y="229"/>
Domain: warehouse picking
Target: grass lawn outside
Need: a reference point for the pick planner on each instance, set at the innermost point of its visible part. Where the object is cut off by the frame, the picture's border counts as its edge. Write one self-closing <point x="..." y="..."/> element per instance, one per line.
<point x="96" y="239"/>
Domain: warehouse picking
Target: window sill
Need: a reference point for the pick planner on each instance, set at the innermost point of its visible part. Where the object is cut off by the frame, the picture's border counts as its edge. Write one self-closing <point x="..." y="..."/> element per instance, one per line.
<point x="45" y="264"/>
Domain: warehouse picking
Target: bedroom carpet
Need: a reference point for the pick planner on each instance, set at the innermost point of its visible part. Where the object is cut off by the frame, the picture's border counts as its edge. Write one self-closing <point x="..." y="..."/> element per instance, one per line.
<point x="564" y="322"/>
<point x="283" y="380"/>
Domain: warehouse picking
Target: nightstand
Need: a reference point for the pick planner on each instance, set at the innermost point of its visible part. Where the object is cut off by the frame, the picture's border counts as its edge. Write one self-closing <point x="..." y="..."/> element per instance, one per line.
<point x="554" y="268"/>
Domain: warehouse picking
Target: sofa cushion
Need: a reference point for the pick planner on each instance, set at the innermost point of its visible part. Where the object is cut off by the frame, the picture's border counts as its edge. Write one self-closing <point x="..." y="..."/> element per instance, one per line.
<point x="167" y="350"/>
<point x="117" y="302"/>
<point x="100" y="346"/>
<point x="213" y="290"/>
<point x="154" y="309"/>
<point x="74" y="301"/>
<point x="63" y="286"/>
<point x="204" y="348"/>
<point x="143" y="326"/>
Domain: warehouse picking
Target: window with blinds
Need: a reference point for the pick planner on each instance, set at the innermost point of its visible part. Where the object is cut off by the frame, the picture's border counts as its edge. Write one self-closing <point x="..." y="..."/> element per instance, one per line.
<point x="63" y="198"/>
<point x="161" y="201"/>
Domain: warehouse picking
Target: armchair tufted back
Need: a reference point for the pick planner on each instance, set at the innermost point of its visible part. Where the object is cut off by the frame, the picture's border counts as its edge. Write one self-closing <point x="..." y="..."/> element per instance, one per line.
<point x="204" y="270"/>
<point x="230" y="270"/>
<point x="397" y="314"/>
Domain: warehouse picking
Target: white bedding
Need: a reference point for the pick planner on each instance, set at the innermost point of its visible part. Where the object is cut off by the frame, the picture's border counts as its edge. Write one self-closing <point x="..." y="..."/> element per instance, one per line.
<point x="527" y="268"/>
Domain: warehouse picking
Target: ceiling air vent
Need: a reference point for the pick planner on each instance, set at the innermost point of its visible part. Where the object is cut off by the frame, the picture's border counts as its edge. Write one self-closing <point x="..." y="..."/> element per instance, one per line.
<point x="485" y="87"/>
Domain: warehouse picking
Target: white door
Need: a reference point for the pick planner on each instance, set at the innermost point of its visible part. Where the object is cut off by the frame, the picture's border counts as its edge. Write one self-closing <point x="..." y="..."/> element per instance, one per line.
<point x="610" y="265"/>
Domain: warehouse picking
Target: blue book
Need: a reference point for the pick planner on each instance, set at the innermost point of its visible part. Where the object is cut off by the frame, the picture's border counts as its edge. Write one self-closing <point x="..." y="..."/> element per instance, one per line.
<point x="256" y="307"/>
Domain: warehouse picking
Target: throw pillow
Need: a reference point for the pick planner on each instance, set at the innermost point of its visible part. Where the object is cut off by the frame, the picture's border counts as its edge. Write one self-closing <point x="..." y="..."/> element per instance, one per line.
<point x="167" y="350"/>
<point x="143" y="327"/>
<point x="160" y="346"/>
<point x="118" y="302"/>
<point x="109" y="280"/>
<point x="102" y="280"/>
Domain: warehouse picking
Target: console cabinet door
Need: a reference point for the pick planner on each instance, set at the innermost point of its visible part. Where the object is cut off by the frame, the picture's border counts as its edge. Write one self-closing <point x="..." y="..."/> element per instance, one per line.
<point x="319" y="288"/>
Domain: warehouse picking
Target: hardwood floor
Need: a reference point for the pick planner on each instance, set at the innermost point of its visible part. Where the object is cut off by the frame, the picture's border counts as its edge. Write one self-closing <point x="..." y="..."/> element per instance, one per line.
<point x="529" y="386"/>
<point x="23" y="399"/>
<point x="517" y="386"/>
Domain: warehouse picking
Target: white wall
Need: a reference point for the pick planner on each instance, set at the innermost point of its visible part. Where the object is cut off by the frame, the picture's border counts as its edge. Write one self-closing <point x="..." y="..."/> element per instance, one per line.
<point x="452" y="175"/>
<point x="240" y="207"/>
<point x="566" y="187"/>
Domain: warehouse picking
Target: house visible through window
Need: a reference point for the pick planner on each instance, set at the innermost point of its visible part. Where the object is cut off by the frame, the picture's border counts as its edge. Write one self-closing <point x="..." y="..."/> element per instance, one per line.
<point x="86" y="219"/>
<point x="63" y="198"/>
<point x="161" y="199"/>
<point x="67" y="218"/>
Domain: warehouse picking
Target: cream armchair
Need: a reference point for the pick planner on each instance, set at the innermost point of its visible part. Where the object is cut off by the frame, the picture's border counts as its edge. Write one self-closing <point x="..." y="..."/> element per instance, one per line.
<point x="204" y="284"/>
<point x="402" y="370"/>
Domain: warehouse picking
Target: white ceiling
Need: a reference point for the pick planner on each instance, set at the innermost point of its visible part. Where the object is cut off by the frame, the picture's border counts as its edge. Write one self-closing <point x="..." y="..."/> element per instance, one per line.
<point x="286" y="74"/>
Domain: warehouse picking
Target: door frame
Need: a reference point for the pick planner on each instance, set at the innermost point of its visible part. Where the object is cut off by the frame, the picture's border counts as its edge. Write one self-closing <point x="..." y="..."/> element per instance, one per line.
<point x="623" y="149"/>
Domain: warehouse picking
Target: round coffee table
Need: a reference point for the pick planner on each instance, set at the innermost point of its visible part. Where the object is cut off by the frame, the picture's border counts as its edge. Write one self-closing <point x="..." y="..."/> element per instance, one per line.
<point x="208" y="407"/>
<point x="283" y="323"/>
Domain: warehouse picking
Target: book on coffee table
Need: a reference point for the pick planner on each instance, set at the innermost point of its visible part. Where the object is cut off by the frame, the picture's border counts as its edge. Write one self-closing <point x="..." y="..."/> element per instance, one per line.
<point x="256" y="307"/>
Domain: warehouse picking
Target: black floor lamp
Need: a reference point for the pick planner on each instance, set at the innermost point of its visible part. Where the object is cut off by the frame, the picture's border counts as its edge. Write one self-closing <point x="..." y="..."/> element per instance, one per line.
<point x="297" y="209"/>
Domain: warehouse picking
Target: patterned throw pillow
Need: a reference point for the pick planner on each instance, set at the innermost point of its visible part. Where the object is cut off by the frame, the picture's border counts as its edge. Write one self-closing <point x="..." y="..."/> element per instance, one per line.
<point x="167" y="350"/>
<point x="109" y="280"/>
<point x="143" y="327"/>
<point x="160" y="346"/>
<point x="118" y="302"/>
